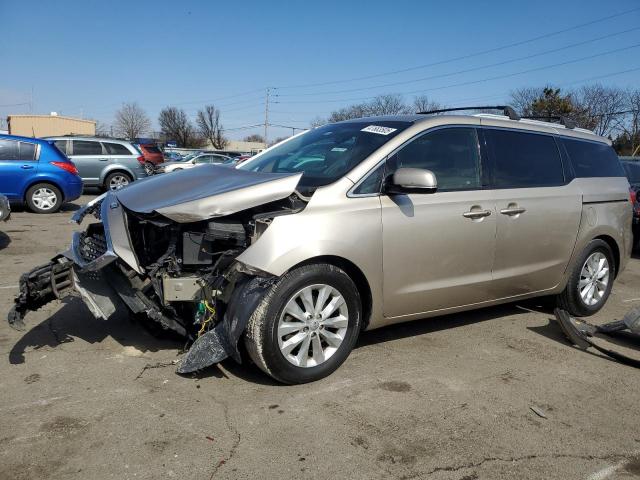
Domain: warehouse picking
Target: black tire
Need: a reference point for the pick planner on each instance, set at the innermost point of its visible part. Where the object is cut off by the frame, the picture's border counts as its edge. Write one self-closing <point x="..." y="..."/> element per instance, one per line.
<point x="38" y="189"/>
<point x="114" y="175"/>
<point x="261" y="338"/>
<point x="149" y="168"/>
<point x="570" y="299"/>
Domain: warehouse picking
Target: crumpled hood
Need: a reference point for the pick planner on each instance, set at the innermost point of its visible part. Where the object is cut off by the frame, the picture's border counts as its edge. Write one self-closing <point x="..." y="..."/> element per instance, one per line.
<point x="206" y="192"/>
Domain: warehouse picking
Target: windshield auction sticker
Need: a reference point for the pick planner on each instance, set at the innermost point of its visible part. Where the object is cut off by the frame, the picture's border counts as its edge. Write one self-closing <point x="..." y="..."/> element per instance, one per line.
<point x="378" y="129"/>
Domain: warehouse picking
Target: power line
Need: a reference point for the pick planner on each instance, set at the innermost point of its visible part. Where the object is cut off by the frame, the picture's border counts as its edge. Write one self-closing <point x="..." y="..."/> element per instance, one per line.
<point x="474" y="82"/>
<point x="467" y="70"/>
<point x="467" y="56"/>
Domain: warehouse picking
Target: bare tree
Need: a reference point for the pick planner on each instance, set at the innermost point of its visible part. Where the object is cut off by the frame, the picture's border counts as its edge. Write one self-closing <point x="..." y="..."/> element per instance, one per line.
<point x="389" y="104"/>
<point x="131" y="121"/>
<point x="208" y="121"/>
<point x="317" y="122"/>
<point x="254" y="138"/>
<point x="425" y="104"/>
<point x="102" y="129"/>
<point x="594" y="106"/>
<point x="277" y="140"/>
<point x="629" y="123"/>
<point x="175" y="125"/>
<point x="522" y="99"/>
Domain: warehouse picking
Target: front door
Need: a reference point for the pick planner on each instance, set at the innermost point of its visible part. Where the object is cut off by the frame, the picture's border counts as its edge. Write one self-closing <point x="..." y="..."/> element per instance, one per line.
<point x="538" y="212"/>
<point x="18" y="164"/>
<point x="438" y="248"/>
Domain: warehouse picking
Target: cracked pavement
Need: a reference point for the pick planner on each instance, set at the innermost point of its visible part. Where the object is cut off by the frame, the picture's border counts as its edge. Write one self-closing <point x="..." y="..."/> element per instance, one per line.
<point x="446" y="398"/>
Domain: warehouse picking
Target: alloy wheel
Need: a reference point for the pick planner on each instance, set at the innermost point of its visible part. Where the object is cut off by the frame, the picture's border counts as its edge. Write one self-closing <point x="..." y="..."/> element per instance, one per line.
<point x="312" y="325"/>
<point x="118" y="181"/>
<point x="594" y="279"/>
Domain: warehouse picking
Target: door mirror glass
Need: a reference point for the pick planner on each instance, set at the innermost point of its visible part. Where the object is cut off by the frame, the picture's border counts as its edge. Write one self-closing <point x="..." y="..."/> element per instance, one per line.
<point x="412" y="180"/>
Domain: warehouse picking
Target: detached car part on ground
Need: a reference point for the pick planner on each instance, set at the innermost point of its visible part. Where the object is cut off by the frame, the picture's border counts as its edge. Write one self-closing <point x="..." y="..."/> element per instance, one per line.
<point x="581" y="333"/>
<point x="290" y="251"/>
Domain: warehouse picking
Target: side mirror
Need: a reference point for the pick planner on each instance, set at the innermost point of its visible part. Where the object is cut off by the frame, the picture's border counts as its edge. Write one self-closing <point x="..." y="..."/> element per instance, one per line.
<point x="412" y="180"/>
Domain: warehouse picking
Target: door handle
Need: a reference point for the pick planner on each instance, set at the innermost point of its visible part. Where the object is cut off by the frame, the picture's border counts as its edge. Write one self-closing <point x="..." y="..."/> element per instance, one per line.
<point x="26" y="167"/>
<point x="512" y="211"/>
<point x="475" y="214"/>
<point x="103" y="159"/>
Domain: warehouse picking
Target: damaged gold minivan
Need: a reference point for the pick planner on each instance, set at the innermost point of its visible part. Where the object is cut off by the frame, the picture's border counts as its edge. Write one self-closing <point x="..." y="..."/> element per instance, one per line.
<point x="347" y="227"/>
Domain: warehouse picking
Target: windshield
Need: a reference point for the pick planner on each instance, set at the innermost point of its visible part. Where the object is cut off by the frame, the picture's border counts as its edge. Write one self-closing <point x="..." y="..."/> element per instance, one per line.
<point x="327" y="153"/>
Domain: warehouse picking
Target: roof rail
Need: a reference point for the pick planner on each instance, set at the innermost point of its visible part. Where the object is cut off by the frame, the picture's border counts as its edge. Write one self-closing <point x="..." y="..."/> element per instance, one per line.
<point x="565" y="121"/>
<point x="506" y="110"/>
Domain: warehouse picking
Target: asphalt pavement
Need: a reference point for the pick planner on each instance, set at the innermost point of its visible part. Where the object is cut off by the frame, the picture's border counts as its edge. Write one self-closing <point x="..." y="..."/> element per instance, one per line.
<point x="491" y="394"/>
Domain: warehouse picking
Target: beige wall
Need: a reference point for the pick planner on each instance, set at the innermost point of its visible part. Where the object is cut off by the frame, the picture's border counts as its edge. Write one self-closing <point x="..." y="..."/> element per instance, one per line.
<point x="49" y="125"/>
<point x="240" y="146"/>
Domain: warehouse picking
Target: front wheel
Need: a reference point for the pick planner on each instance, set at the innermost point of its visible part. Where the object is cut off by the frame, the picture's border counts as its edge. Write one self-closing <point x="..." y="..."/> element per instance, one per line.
<point x="44" y="198"/>
<point x="590" y="282"/>
<point x="306" y="325"/>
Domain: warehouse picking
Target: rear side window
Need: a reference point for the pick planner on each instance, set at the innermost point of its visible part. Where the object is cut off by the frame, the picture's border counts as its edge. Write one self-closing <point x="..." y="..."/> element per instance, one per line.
<point x="83" y="147"/>
<point x="27" y="151"/>
<point x="593" y="159"/>
<point x="522" y="160"/>
<point x="8" y="150"/>
<point x="116" y="149"/>
<point x="62" y="145"/>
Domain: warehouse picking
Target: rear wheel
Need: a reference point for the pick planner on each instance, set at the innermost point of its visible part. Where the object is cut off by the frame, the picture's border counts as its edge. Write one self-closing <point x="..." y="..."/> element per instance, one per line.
<point x="306" y="325"/>
<point x="44" y="198"/>
<point x="590" y="282"/>
<point x="117" y="180"/>
<point x="149" y="168"/>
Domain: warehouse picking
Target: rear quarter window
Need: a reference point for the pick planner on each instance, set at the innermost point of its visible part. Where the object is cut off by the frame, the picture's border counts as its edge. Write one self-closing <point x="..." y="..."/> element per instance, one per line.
<point x="116" y="149"/>
<point x="593" y="159"/>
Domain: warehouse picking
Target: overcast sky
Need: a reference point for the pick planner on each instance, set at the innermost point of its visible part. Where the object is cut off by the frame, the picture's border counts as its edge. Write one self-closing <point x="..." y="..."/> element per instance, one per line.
<point x="87" y="57"/>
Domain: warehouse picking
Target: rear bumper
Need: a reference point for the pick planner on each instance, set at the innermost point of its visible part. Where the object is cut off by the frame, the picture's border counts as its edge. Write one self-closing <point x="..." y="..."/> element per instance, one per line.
<point x="72" y="190"/>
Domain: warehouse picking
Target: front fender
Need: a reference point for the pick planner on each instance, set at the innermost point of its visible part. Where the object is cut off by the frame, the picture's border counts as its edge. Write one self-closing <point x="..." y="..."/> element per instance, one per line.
<point x="350" y="230"/>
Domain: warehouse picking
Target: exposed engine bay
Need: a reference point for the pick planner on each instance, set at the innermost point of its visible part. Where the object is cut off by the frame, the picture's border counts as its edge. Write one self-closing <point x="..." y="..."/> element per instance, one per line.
<point x="173" y="264"/>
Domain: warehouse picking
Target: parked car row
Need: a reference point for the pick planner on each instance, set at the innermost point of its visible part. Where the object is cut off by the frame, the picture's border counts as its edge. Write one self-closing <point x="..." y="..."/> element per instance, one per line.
<point x="45" y="173"/>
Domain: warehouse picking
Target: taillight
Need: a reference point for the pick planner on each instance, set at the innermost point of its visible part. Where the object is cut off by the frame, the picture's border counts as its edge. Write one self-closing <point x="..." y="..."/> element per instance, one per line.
<point x="141" y="159"/>
<point x="67" y="166"/>
<point x="632" y="196"/>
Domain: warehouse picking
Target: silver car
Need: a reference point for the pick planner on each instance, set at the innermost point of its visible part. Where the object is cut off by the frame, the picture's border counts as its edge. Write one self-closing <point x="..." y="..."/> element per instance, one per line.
<point x="350" y="227"/>
<point x="105" y="163"/>
<point x="193" y="161"/>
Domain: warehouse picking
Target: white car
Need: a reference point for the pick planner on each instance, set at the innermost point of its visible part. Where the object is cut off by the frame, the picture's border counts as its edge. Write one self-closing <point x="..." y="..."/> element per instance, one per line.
<point x="192" y="161"/>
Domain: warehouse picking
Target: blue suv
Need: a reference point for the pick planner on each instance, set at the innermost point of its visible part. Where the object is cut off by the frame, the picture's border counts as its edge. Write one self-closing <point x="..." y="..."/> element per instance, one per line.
<point x="36" y="172"/>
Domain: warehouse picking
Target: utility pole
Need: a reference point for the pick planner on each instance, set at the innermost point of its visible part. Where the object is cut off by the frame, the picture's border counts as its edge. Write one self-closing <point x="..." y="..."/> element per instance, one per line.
<point x="266" y="118"/>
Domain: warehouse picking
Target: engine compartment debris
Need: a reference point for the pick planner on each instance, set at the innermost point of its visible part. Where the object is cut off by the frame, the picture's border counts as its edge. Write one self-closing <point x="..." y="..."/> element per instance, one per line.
<point x="169" y="260"/>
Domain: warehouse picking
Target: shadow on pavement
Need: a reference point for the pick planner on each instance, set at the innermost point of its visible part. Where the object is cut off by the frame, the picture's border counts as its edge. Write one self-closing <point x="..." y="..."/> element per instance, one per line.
<point x="73" y="320"/>
<point x="421" y="327"/>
